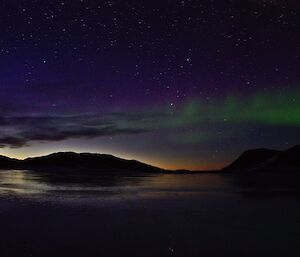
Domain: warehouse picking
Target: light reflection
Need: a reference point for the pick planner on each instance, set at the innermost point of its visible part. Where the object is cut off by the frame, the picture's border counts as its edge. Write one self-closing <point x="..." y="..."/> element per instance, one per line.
<point x="23" y="183"/>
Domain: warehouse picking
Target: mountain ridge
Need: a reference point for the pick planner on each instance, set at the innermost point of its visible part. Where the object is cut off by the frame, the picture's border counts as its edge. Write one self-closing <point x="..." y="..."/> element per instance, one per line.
<point x="267" y="160"/>
<point x="253" y="160"/>
<point x="71" y="161"/>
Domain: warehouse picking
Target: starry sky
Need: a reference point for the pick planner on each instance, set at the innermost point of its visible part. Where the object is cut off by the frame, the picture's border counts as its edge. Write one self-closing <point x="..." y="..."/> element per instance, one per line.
<point x="177" y="84"/>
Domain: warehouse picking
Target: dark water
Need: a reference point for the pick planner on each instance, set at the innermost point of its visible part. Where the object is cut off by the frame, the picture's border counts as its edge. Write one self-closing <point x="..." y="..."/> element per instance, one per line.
<point x="149" y="216"/>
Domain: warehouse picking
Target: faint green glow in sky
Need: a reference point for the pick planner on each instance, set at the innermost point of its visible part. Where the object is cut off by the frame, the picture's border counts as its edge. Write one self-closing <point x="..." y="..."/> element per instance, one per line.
<point x="186" y="135"/>
<point x="273" y="108"/>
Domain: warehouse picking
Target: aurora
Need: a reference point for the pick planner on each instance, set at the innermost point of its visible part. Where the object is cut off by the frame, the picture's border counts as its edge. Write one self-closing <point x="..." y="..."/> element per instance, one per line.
<point x="190" y="125"/>
<point x="178" y="85"/>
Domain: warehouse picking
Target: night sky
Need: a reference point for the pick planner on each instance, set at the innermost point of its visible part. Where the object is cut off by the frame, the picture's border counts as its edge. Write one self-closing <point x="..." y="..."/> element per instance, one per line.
<point x="177" y="84"/>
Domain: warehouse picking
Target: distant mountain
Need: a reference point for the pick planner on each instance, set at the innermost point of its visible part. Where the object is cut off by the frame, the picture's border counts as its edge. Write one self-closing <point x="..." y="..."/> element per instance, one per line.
<point x="69" y="161"/>
<point x="267" y="160"/>
<point x="256" y="160"/>
<point x="6" y="162"/>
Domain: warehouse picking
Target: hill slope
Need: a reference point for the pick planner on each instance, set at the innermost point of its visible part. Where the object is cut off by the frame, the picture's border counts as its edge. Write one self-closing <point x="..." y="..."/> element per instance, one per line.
<point x="267" y="160"/>
<point x="69" y="161"/>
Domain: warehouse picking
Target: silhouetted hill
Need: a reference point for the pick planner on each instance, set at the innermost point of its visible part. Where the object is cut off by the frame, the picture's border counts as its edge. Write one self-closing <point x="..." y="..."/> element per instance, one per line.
<point x="69" y="161"/>
<point x="267" y="160"/>
<point x="253" y="159"/>
<point x="288" y="159"/>
<point x="6" y="162"/>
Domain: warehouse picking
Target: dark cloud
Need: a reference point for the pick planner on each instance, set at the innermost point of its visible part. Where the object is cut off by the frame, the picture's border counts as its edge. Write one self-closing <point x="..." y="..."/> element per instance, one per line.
<point x="18" y="131"/>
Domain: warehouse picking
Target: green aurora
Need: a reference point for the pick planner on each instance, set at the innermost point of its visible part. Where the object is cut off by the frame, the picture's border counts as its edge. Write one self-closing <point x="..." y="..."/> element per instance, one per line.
<point x="274" y="109"/>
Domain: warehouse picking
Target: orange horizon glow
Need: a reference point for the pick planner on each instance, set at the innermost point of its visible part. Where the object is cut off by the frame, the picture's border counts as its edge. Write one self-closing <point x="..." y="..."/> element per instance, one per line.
<point x="164" y="164"/>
